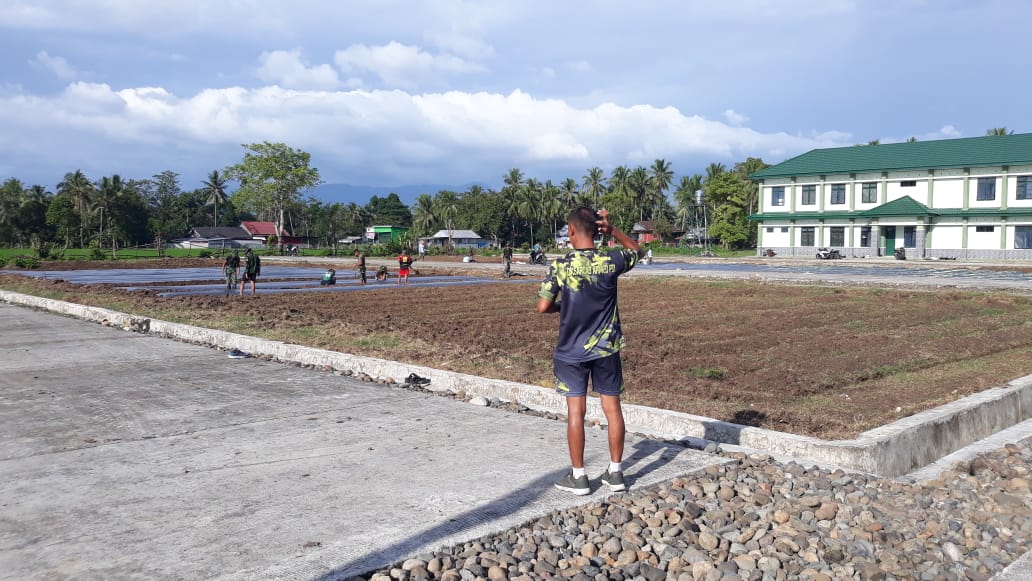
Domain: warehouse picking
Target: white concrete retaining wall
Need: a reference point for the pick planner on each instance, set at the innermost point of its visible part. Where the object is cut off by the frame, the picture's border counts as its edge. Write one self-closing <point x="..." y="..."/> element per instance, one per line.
<point x="891" y="450"/>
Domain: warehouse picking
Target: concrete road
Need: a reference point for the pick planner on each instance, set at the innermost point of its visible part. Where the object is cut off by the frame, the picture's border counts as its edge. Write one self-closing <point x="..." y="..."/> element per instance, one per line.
<point x="131" y="456"/>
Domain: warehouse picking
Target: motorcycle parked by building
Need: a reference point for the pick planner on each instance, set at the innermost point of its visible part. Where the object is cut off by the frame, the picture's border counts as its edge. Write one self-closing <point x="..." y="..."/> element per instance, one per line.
<point x="826" y="254"/>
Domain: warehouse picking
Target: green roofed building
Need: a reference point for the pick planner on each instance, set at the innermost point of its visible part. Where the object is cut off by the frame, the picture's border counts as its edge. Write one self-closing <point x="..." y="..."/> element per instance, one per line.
<point x="951" y="198"/>
<point x="385" y="234"/>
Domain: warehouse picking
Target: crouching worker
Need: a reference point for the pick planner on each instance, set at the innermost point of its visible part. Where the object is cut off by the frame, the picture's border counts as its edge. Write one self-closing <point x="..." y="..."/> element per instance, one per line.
<point x="381" y="273"/>
<point x="329" y="278"/>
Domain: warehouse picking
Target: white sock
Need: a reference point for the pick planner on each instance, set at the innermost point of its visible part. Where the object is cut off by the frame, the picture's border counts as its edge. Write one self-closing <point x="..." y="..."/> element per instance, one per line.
<point x="578" y="472"/>
<point x="615" y="467"/>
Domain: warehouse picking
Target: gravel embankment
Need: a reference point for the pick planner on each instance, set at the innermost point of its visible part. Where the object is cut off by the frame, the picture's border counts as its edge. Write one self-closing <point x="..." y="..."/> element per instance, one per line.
<point x="760" y="519"/>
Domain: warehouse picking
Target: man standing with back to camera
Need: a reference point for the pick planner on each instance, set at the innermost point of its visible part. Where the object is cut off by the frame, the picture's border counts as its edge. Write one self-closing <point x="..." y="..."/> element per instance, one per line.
<point x="581" y="287"/>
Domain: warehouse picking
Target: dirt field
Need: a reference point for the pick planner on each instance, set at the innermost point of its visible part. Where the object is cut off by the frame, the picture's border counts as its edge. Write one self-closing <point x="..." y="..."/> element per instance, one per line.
<point x="802" y="359"/>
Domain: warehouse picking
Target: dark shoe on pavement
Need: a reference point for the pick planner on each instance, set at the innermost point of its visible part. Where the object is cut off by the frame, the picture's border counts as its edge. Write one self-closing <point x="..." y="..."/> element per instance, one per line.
<point x="238" y="354"/>
<point x="416" y="380"/>
<point x="578" y="486"/>
<point x="614" y="480"/>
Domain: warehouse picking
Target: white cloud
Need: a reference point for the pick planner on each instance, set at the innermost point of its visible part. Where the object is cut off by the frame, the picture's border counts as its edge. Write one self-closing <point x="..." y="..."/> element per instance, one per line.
<point x="287" y="69"/>
<point x="54" y="64"/>
<point x="390" y="136"/>
<point x="734" y="118"/>
<point x="580" y="66"/>
<point x="401" y="65"/>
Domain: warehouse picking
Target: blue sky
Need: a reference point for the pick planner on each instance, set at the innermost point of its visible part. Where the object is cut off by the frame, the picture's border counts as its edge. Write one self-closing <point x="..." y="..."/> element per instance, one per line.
<point x="395" y="92"/>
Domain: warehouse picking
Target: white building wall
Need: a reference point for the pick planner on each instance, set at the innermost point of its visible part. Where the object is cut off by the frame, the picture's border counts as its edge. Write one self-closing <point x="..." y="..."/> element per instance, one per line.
<point x="766" y="198"/>
<point x="946" y="236"/>
<point x="974" y="202"/>
<point x="948" y="193"/>
<point x="860" y="193"/>
<point x="983" y="240"/>
<point x="896" y="191"/>
<point x="773" y="236"/>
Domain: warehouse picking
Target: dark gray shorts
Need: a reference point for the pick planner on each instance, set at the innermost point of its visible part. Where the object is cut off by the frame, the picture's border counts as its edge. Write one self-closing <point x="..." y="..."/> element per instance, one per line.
<point x="571" y="379"/>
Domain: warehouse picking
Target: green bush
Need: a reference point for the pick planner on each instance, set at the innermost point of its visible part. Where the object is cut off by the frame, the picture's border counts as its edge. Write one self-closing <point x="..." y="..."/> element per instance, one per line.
<point x="97" y="254"/>
<point x="3" y="261"/>
<point x="26" y="262"/>
<point x="205" y="254"/>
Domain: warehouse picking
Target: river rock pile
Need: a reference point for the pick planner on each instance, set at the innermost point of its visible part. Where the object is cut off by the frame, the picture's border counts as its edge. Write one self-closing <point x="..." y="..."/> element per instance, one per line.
<point x="759" y="519"/>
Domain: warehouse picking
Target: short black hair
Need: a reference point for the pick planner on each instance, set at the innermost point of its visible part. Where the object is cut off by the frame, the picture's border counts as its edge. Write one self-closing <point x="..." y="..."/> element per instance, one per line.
<point x="583" y="218"/>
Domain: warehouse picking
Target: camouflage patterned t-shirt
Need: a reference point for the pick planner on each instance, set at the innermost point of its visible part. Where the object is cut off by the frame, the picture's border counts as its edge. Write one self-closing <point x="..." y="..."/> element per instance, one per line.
<point x="589" y="322"/>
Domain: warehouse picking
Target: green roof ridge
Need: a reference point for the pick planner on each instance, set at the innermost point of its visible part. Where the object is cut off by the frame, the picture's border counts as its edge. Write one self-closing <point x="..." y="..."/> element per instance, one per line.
<point x="905" y="206"/>
<point x="989" y="150"/>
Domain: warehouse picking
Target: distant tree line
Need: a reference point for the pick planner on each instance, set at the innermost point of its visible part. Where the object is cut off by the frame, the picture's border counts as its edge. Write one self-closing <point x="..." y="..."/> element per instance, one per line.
<point x="272" y="179"/>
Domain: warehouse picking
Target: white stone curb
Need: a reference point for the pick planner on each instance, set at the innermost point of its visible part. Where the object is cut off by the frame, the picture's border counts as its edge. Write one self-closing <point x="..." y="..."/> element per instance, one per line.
<point x="891" y="450"/>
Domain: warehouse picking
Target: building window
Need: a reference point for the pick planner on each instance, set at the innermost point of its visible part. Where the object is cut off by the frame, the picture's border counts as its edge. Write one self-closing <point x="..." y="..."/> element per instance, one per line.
<point x="770" y="229"/>
<point x="777" y="196"/>
<point x="985" y="228"/>
<point x="908" y="184"/>
<point x="1024" y="191"/>
<point x="838" y="193"/>
<point x="986" y="189"/>
<point x="784" y="229"/>
<point x="809" y="195"/>
<point x="838" y="235"/>
<point x="869" y="193"/>
<point x="865" y="236"/>
<point x="1023" y="237"/>
<point x="806" y="236"/>
<point x="909" y="237"/>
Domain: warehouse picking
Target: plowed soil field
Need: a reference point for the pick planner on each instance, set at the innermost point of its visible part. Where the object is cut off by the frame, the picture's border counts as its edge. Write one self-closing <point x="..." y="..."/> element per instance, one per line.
<point x="826" y="362"/>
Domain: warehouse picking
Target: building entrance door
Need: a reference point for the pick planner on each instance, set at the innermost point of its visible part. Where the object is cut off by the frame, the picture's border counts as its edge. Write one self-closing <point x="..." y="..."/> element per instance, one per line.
<point x="890" y="239"/>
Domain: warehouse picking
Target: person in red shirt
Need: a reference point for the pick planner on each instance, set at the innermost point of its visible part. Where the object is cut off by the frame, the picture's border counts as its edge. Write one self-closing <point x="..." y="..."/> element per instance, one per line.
<point x="404" y="265"/>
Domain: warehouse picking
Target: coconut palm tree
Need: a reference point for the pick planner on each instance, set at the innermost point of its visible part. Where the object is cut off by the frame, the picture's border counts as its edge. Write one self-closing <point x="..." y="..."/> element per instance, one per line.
<point x="999" y="131"/>
<point x="106" y="196"/>
<point x="80" y="191"/>
<point x="594" y="185"/>
<point x="568" y="193"/>
<point x="512" y="181"/>
<point x="639" y="184"/>
<point x="424" y="214"/>
<point x="447" y="206"/>
<point x="551" y="205"/>
<point x="715" y="169"/>
<point x="685" y="196"/>
<point x="215" y="191"/>
<point x="528" y="203"/>
<point x="661" y="176"/>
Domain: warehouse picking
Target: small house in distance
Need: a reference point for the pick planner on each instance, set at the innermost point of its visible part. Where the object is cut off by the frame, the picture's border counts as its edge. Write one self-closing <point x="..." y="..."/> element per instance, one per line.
<point x="384" y="234"/>
<point x="459" y="239"/>
<point x="643" y="232"/>
<point x="261" y="231"/>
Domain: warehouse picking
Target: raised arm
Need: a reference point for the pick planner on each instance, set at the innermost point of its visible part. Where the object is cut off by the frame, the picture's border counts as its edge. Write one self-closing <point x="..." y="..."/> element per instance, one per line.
<point x="605" y="227"/>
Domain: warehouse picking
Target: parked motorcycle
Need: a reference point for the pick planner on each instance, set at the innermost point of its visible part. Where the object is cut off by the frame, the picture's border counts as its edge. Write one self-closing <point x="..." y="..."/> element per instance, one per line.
<point x="900" y="253"/>
<point x="537" y="257"/>
<point x="826" y="254"/>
